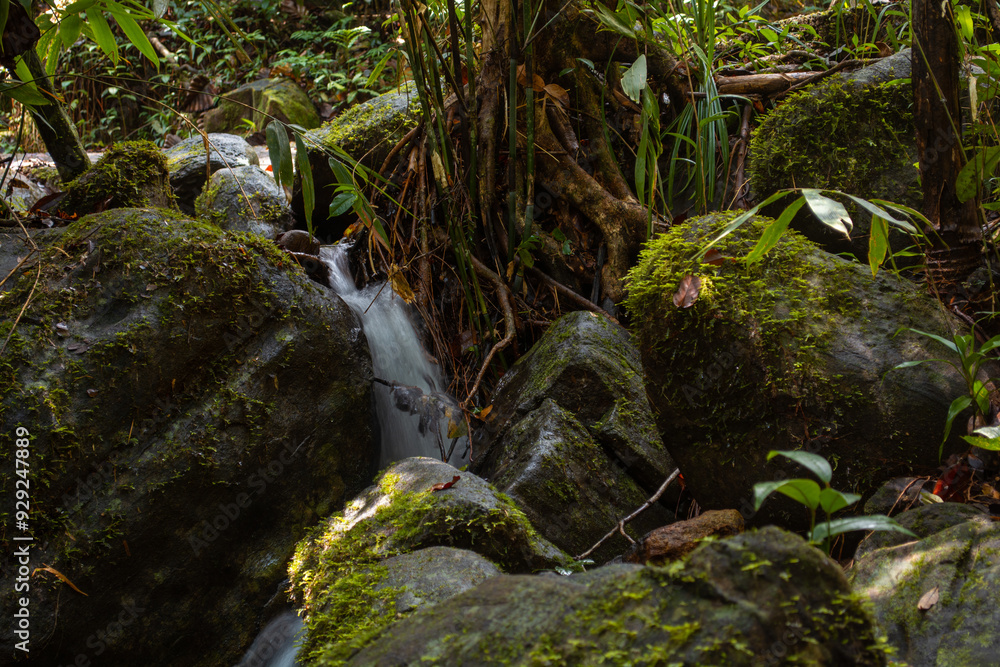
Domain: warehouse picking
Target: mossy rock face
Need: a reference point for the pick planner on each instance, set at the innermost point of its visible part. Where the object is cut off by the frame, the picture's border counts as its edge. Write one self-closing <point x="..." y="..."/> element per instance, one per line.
<point x="795" y="351"/>
<point x="194" y="404"/>
<point x="367" y="132"/>
<point x="131" y="174"/>
<point x="855" y="135"/>
<point x="245" y="199"/>
<point x="341" y="575"/>
<point x="191" y="165"/>
<point x="571" y="437"/>
<point x="959" y="556"/>
<point x="756" y="599"/>
<point x="260" y="102"/>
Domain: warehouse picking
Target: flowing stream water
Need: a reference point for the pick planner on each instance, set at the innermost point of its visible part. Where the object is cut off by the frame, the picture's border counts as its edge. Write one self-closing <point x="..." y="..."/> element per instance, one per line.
<point x="410" y="405"/>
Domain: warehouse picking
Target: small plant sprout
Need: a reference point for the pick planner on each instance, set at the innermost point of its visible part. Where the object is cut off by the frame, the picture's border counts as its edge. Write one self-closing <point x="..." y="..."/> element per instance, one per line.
<point x="970" y="362"/>
<point x="814" y="497"/>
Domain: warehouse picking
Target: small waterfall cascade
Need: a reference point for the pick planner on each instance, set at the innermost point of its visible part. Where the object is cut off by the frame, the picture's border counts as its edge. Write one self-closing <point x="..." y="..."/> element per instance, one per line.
<point x="414" y="412"/>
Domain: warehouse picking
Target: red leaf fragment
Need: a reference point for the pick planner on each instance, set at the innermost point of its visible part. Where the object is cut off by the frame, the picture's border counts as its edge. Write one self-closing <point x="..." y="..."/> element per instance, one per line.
<point x="687" y="291"/>
<point x="446" y="485"/>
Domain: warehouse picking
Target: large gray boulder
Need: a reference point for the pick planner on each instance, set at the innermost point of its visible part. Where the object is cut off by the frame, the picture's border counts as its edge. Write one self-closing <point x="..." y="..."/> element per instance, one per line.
<point x="190" y="164"/>
<point x="260" y="102"/>
<point x="350" y="577"/>
<point x="765" y="598"/>
<point x="850" y="133"/>
<point x="935" y="598"/>
<point x="571" y="437"/>
<point x="245" y="199"/>
<point x="796" y="351"/>
<point x="367" y="132"/>
<point x="193" y="403"/>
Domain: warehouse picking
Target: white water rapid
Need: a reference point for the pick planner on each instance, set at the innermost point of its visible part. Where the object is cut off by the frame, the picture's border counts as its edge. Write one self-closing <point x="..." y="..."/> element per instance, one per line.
<point x="397" y="358"/>
<point x="413" y="382"/>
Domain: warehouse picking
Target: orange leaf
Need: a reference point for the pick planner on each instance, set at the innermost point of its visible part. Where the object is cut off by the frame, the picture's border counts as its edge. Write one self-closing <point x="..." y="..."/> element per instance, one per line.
<point x="687" y="292"/>
<point x="538" y="83"/>
<point x="446" y="485"/>
<point x="61" y="576"/>
<point x="558" y="93"/>
<point x="929" y="599"/>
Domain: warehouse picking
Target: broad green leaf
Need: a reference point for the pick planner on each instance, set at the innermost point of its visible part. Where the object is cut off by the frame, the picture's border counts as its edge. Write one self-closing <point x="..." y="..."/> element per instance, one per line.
<point x="830" y="212"/>
<point x="832" y="500"/>
<point x="280" y="152"/>
<point x="160" y="8"/>
<point x="804" y="491"/>
<point x="377" y="72"/>
<point x="613" y="22"/>
<point x="982" y="165"/>
<point x="988" y="431"/>
<point x="878" y="243"/>
<point x="990" y="345"/>
<point x="877" y="210"/>
<point x="134" y="33"/>
<point x="910" y="364"/>
<point x="774" y="231"/>
<point x="79" y="6"/>
<point x="814" y="463"/>
<point x="838" y="526"/>
<point x="956" y="407"/>
<point x="762" y="490"/>
<point x="944" y="341"/>
<point x="992" y="444"/>
<point x="102" y="33"/>
<point x="306" y="177"/>
<point x="634" y="79"/>
<point x="25" y="93"/>
<point x="341" y="203"/>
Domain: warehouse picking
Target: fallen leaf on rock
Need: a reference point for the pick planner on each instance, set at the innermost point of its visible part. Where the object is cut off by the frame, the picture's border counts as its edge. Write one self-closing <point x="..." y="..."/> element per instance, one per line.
<point x="91" y="392"/>
<point x="558" y="93"/>
<point x="715" y="258"/>
<point x="446" y="485"/>
<point x="687" y="292"/>
<point x="928" y="599"/>
<point x="61" y="576"/>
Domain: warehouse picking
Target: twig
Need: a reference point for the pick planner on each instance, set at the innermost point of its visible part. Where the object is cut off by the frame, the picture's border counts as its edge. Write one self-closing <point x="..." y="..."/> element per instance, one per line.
<point x="843" y="64"/>
<point x="580" y="301"/>
<point x="398" y="147"/>
<point x="620" y="526"/>
<point x="508" y="319"/>
<point x="27" y="301"/>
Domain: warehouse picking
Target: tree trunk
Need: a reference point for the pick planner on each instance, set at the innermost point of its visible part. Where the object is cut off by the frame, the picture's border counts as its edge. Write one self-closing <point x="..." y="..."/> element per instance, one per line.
<point x="956" y="237"/>
<point x="55" y="126"/>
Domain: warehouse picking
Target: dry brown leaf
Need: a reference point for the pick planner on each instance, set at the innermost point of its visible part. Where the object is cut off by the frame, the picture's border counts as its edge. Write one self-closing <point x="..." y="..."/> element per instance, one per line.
<point x="715" y="258"/>
<point x="400" y="286"/>
<point x="485" y="412"/>
<point x="538" y="83"/>
<point x="446" y="485"/>
<point x="61" y="576"/>
<point x="928" y="599"/>
<point x="558" y="93"/>
<point x="687" y="291"/>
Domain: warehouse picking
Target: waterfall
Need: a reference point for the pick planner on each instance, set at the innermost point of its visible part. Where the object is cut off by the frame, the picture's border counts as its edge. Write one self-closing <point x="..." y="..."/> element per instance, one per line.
<point x="277" y="643"/>
<point x="398" y="358"/>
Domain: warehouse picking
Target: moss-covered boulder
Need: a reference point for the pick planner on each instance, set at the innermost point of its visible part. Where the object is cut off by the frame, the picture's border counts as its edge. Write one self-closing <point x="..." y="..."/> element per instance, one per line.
<point x="260" y="102"/>
<point x="130" y="174"/>
<point x="571" y="438"/>
<point x="367" y="132"/>
<point x="191" y="164"/>
<point x="341" y="575"/>
<point x="935" y="598"/>
<point x="853" y="134"/>
<point x="765" y="598"/>
<point x="245" y="199"/>
<point x="795" y="351"/>
<point x="193" y="404"/>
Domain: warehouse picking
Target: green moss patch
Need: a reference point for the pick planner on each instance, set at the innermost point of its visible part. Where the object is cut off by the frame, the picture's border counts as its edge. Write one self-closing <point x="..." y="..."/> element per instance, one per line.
<point x="132" y="174"/>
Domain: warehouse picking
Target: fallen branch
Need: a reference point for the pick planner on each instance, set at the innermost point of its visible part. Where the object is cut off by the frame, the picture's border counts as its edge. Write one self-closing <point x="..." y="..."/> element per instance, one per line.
<point x="620" y="527"/>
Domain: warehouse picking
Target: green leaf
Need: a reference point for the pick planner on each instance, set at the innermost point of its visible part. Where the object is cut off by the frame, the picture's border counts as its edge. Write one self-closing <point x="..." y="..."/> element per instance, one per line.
<point x="280" y="152"/>
<point x="832" y="500"/>
<point x="25" y="93"/>
<point x="838" y="526"/>
<point x="876" y="210"/>
<point x="377" y="72"/>
<point x="992" y="444"/>
<point x="640" y="160"/>
<point x="613" y="22"/>
<point x="830" y="212"/>
<point x="306" y="177"/>
<point x="134" y="32"/>
<point x="878" y="243"/>
<point x="982" y="165"/>
<point x="804" y="491"/>
<point x="944" y="341"/>
<point x="814" y="463"/>
<point x="956" y="407"/>
<point x="102" y="33"/>
<point x="634" y="79"/>
<point x="774" y="231"/>
<point x="80" y="6"/>
<point x="988" y="431"/>
<point x="341" y="203"/>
